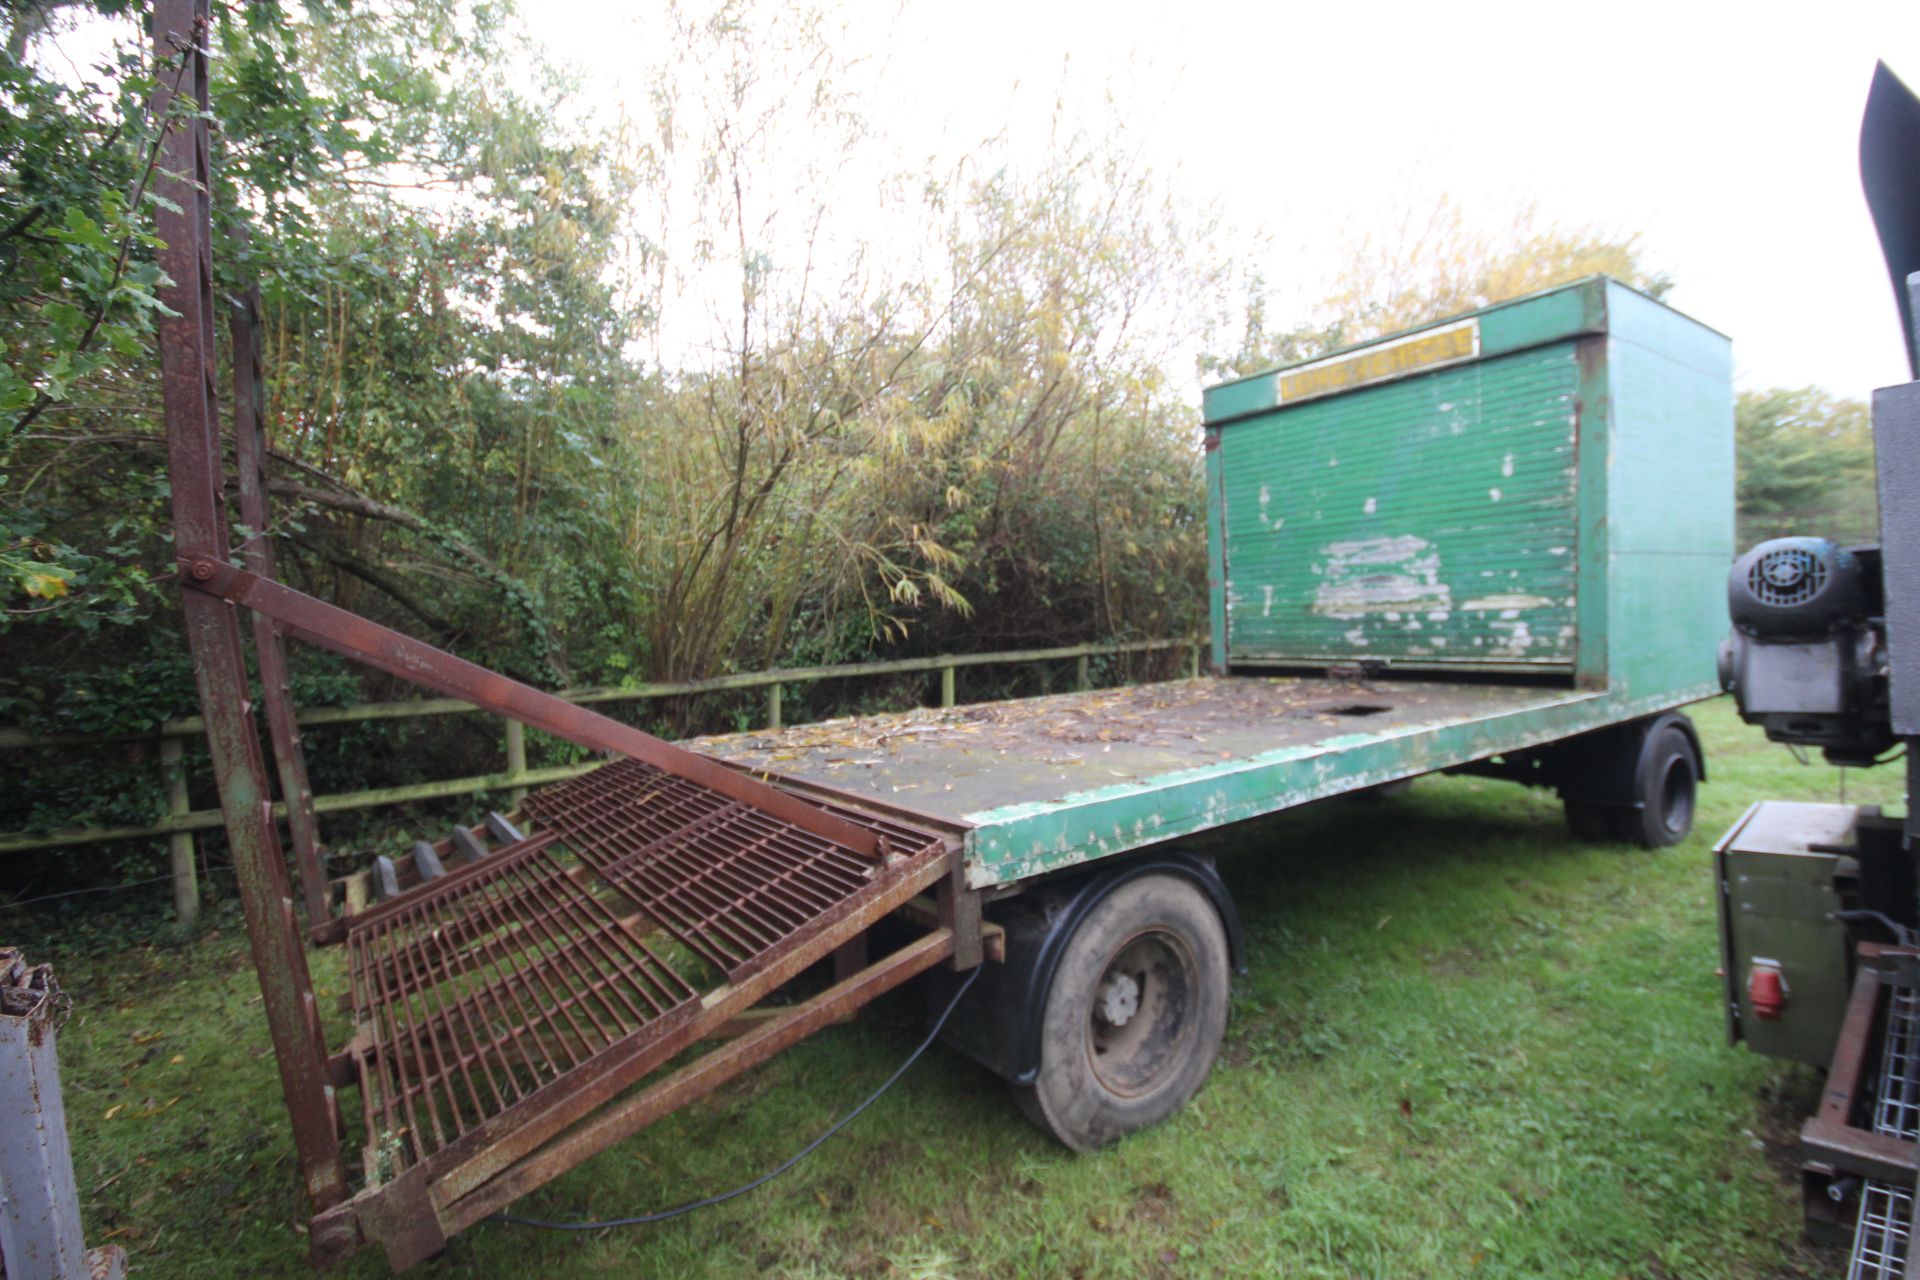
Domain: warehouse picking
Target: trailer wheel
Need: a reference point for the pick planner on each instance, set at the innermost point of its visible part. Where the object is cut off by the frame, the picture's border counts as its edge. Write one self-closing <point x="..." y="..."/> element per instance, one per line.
<point x="1134" y="1015"/>
<point x="1666" y="786"/>
<point x="1656" y="792"/>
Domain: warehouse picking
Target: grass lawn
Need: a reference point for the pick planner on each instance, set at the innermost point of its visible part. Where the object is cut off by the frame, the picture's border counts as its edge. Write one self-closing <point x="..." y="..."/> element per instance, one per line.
<point x="1468" y="1046"/>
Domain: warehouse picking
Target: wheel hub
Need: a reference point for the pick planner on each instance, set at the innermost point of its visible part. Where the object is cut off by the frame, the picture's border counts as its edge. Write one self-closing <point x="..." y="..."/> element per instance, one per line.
<point x="1117" y="1000"/>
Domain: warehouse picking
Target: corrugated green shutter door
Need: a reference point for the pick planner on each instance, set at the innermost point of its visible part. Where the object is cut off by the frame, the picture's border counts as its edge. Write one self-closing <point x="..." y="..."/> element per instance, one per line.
<point x="1429" y="520"/>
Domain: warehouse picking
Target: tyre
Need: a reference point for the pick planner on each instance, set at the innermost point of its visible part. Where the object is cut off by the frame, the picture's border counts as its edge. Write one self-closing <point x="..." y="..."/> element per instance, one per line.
<point x="1666" y="786"/>
<point x="1134" y="1014"/>
<point x="1594" y="822"/>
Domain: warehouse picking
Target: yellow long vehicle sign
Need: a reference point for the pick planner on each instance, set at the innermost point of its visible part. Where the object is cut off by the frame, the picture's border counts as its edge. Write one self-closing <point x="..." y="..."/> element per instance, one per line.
<point x="1428" y="349"/>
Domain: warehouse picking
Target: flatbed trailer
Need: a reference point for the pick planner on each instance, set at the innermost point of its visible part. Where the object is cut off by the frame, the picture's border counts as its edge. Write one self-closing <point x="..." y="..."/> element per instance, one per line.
<point x="1066" y="816"/>
<point x="1491" y="544"/>
<point x="1043" y="785"/>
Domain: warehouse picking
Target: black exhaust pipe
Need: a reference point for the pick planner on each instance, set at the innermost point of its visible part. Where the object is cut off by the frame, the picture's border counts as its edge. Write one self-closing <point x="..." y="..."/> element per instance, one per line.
<point x="1890" y="172"/>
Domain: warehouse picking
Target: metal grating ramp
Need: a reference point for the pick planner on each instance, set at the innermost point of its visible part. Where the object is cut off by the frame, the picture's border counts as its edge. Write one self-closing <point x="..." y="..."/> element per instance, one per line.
<point x="500" y="986"/>
<point x="486" y="985"/>
<point x="1880" y="1234"/>
<point x="733" y="884"/>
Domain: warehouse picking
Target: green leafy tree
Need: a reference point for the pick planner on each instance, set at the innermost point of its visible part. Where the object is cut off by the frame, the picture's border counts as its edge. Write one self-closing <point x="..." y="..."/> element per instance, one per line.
<point x="1804" y="459"/>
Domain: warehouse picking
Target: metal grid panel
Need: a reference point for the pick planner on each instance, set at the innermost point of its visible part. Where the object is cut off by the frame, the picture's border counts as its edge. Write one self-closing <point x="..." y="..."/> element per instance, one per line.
<point x="1880" y="1233"/>
<point x="478" y="990"/>
<point x="1896" y="1111"/>
<point x="734" y="884"/>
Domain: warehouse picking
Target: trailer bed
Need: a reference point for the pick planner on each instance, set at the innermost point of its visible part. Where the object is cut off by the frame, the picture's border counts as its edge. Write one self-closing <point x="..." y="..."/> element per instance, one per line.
<point x="1042" y="783"/>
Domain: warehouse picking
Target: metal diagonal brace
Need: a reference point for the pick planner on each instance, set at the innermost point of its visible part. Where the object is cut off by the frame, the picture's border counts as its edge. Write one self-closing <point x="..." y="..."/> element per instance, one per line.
<point x="276" y="684"/>
<point x="385" y="649"/>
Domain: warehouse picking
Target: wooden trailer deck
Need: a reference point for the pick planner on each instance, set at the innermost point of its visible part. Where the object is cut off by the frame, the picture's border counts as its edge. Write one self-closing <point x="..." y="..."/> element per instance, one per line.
<point x="1043" y="783"/>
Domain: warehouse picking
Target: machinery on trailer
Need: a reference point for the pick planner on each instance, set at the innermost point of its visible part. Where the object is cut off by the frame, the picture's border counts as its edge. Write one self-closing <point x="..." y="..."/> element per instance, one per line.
<point x="1491" y="544"/>
<point x="1819" y="923"/>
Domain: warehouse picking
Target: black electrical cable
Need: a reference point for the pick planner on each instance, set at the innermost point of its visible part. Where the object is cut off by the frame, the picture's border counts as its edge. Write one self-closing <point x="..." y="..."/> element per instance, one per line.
<point x="661" y="1215"/>
<point x="1900" y="932"/>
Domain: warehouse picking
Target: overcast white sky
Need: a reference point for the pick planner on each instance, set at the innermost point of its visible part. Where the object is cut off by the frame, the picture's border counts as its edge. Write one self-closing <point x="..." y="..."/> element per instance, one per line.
<point x="1724" y="133"/>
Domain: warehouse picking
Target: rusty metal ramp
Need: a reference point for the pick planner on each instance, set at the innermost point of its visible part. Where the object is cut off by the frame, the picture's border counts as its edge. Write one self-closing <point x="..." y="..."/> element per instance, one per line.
<point x="736" y="885"/>
<point x="588" y="951"/>
<point x="476" y="990"/>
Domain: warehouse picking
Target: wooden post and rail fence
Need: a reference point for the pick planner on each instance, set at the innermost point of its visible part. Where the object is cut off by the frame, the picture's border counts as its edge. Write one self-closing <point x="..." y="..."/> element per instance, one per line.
<point x="183" y="820"/>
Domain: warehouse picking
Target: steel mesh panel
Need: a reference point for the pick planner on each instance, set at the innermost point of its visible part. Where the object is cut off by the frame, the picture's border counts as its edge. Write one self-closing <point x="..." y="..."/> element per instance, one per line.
<point x="478" y="990"/>
<point x="1880" y="1235"/>
<point x="732" y="883"/>
<point x="1896" y="1111"/>
<point x="1880" y="1232"/>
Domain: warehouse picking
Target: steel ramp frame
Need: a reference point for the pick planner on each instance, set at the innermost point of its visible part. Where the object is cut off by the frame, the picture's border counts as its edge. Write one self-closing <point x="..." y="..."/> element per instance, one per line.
<point x="497" y="1090"/>
<point x="507" y="1013"/>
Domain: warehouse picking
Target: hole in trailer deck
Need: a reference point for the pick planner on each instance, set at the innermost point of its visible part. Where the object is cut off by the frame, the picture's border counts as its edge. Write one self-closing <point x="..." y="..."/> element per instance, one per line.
<point x="1360" y="709"/>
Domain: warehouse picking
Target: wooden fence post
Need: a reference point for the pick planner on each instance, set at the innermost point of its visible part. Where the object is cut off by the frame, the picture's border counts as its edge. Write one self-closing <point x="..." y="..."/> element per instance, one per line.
<point x="180" y="844"/>
<point x="773" y="706"/>
<point x="1193" y="664"/>
<point x="1080" y="673"/>
<point x="516" y="759"/>
<point x="946" y="686"/>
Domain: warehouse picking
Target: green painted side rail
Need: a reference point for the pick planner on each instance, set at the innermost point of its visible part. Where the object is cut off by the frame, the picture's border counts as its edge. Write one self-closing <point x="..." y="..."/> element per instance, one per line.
<point x="1023" y="840"/>
<point x="182" y="820"/>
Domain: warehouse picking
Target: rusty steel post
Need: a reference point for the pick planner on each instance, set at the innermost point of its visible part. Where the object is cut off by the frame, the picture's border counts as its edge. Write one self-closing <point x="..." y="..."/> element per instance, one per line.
<point x="183" y="218"/>
<point x="40" y="1236"/>
<point x="269" y="644"/>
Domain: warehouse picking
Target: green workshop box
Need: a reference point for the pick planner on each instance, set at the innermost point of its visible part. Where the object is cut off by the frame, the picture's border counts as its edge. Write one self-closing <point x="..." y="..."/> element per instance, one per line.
<point x="1545" y="486"/>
